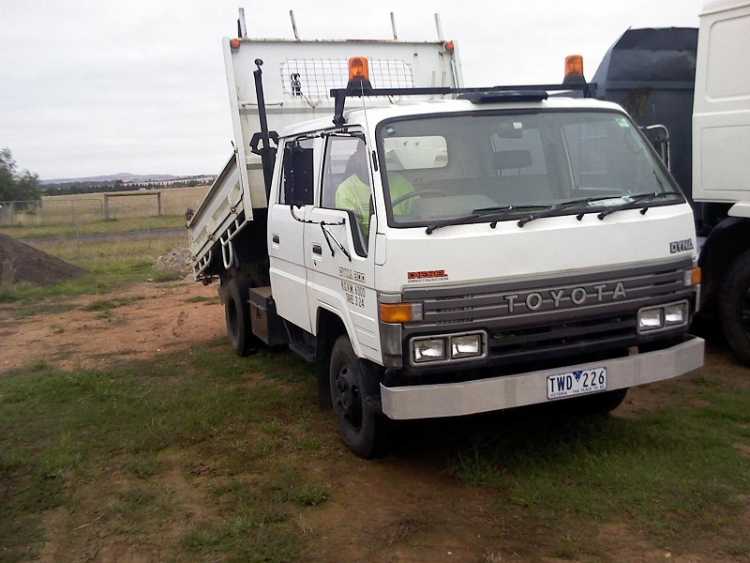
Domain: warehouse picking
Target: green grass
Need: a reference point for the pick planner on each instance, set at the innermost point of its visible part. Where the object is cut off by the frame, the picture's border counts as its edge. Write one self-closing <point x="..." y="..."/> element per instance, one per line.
<point x="113" y="226"/>
<point x="675" y="474"/>
<point x="121" y="447"/>
<point x="63" y="435"/>
<point x="43" y="307"/>
<point x="257" y="526"/>
<point x="203" y="299"/>
<point x="162" y="276"/>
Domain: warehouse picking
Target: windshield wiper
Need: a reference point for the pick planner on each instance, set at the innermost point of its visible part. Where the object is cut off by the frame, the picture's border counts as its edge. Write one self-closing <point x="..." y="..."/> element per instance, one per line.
<point x="635" y="198"/>
<point x="554" y="209"/>
<point x="480" y="212"/>
<point x="661" y="185"/>
<point x="551" y="210"/>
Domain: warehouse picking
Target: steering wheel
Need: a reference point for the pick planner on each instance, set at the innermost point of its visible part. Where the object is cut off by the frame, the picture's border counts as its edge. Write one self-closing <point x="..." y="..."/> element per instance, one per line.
<point x="412" y="195"/>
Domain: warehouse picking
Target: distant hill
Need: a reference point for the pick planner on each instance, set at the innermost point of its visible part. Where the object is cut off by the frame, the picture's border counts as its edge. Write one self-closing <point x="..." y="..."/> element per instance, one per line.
<point x="111" y="178"/>
<point x="121" y="182"/>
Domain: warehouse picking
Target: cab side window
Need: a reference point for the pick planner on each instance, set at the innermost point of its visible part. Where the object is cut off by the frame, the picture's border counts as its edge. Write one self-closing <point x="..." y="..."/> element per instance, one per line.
<point x="346" y="182"/>
<point x="297" y="173"/>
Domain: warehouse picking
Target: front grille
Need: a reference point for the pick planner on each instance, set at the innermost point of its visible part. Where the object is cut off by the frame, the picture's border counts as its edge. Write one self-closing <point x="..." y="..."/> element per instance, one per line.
<point x="614" y="332"/>
<point x="550" y="301"/>
<point x="570" y="315"/>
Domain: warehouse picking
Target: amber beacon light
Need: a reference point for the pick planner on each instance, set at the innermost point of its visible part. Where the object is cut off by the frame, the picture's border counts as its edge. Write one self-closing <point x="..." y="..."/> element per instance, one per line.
<point x="574" y="68"/>
<point x="359" y="68"/>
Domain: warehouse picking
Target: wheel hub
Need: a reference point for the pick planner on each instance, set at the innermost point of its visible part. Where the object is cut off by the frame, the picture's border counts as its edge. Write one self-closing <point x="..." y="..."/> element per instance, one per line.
<point x="347" y="395"/>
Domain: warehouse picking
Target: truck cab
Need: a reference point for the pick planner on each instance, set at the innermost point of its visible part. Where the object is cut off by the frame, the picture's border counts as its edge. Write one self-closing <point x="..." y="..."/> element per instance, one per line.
<point x="443" y="251"/>
<point x="486" y="241"/>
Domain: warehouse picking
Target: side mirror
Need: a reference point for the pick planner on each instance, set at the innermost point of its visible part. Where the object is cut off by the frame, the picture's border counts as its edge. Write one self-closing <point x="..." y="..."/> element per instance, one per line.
<point x="659" y="137"/>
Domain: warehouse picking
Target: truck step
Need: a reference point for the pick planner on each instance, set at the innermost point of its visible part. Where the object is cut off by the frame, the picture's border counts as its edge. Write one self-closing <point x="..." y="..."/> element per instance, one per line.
<point x="264" y="321"/>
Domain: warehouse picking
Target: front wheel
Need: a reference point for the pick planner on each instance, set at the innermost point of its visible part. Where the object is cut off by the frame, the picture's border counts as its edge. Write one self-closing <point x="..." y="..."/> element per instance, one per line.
<point x="361" y="426"/>
<point x="734" y="308"/>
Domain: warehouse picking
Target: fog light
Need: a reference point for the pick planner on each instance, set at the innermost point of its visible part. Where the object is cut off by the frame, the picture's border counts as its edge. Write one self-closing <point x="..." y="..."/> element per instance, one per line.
<point x="650" y="319"/>
<point x="466" y="346"/>
<point x="428" y="350"/>
<point x="675" y="314"/>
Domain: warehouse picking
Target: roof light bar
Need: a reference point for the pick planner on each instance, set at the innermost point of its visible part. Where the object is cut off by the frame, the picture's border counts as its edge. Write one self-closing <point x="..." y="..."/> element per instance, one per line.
<point x="488" y="94"/>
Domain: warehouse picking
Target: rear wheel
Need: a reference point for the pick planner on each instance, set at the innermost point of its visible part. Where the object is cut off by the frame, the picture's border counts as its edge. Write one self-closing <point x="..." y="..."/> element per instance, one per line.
<point x="734" y="308"/>
<point x="237" y="317"/>
<point x="361" y="425"/>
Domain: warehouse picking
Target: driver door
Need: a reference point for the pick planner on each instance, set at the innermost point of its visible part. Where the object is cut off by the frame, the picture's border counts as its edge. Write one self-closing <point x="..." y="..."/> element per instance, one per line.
<point x="340" y="242"/>
<point x="286" y="213"/>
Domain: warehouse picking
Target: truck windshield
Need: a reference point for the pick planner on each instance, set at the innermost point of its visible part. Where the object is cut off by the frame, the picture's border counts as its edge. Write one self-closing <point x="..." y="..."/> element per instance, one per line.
<point x="445" y="168"/>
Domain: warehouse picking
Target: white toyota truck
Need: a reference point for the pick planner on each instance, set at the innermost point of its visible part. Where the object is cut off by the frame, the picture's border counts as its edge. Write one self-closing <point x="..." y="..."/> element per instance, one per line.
<point x="438" y="250"/>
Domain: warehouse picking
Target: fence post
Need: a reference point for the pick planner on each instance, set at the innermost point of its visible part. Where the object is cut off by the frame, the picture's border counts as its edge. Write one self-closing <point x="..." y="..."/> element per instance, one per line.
<point x="12" y="212"/>
<point x="106" y="207"/>
<point x="158" y="203"/>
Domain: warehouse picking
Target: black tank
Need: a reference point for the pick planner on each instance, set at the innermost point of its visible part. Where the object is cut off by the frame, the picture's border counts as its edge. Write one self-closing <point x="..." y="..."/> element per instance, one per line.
<point x="651" y="73"/>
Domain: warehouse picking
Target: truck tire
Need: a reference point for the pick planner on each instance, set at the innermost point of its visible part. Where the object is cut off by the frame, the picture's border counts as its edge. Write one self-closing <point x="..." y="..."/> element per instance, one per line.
<point x="237" y="317"/>
<point x="734" y="307"/>
<point x="362" y="426"/>
<point x="599" y="404"/>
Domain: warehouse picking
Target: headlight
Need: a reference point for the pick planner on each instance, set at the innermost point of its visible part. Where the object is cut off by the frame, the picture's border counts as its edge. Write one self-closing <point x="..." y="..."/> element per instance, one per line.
<point x="675" y="314"/>
<point x="428" y="350"/>
<point x="650" y="319"/>
<point x="448" y="347"/>
<point x="466" y="346"/>
<point x="663" y="317"/>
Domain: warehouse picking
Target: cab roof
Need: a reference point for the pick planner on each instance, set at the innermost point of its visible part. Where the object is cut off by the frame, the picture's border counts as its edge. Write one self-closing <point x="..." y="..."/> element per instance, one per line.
<point x="377" y="113"/>
<point x="711" y="6"/>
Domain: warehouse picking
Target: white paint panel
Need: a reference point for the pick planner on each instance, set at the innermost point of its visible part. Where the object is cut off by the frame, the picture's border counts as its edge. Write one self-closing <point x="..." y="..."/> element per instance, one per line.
<point x="724" y="149"/>
<point x="727" y="49"/>
<point x="342" y="285"/>
<point x="288" y="286"/>
<point x="215" y="211"/>
<point x="721" y="114"/>
<point x="287" y="271"/>
<point x="710" y="6"/>
<point x="740" y="209"/>
<point x="319" y="64"/>
<point x="476" y="253"/>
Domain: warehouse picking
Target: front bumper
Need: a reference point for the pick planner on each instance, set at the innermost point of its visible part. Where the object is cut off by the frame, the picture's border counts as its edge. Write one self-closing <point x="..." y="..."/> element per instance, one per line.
<point x="505" y="392"/>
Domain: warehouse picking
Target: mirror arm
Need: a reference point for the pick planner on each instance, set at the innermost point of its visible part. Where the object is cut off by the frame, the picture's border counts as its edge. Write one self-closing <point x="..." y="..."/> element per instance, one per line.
<point x="326" y="234"/>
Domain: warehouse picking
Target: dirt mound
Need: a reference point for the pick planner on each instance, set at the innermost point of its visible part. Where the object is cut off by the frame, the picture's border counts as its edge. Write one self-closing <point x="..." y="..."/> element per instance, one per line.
<point x="176" y="260"/>
<point x="20" y="262"/>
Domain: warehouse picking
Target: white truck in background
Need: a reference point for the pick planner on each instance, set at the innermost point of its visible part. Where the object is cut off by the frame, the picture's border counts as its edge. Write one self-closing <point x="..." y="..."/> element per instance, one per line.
<point x="438" y="250"/>
<point x="689" y="82"/>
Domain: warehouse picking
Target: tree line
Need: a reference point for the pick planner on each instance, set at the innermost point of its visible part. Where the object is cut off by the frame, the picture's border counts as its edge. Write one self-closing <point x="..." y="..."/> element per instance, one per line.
<point x="16" y="185"/>
<point x="68" y="188"/>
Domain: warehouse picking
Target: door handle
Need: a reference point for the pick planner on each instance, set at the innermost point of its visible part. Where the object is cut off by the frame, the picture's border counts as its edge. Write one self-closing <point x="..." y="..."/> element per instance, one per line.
<point x="275" y="238"/>
<point x="317" y="249"/>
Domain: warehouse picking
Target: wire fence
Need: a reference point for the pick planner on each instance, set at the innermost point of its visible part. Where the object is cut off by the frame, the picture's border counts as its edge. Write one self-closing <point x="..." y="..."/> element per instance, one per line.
<point x="89" y="208"/>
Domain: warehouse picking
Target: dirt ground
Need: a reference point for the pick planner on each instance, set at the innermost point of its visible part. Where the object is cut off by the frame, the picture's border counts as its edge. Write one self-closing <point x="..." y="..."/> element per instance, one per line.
<point x="418" y="513"/>
<point x="152" y="319"/>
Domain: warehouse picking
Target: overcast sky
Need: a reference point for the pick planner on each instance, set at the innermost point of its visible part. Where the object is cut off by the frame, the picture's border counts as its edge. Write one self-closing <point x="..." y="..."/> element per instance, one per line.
<point x="98" y="87"/>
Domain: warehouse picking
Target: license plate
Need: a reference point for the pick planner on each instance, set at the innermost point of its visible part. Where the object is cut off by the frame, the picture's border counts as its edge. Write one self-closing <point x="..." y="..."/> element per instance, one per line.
<point x="579" y="382"/>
